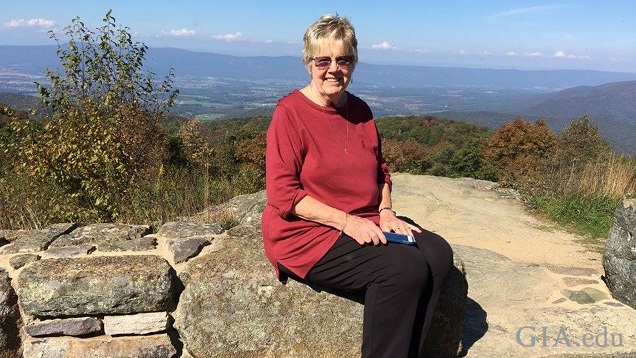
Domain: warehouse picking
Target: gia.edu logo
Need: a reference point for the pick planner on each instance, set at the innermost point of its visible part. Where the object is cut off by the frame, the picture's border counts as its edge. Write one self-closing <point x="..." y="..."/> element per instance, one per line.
<point x="529" y="336"/>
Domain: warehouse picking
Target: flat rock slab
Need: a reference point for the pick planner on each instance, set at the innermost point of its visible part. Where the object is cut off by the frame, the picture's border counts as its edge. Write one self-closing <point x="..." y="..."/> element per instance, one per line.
<point x="511" y="303"/>
<point x="97" y="285"/>
<point x="37" y="240"/>
<point x="67" y="327"/>
<point x="185" y="229"/>
<point x="100" y="347"/>
<point x="70" y="251"/>
<point x="142" y="323"/>
<point x="109" y="237"/>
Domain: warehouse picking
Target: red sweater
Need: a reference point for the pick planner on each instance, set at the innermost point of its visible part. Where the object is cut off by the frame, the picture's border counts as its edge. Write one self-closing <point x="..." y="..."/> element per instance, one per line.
<point x="305" y="155"/>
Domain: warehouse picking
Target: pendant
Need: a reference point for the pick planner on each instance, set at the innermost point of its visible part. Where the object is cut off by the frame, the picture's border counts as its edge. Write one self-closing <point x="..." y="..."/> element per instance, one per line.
<point x="346" y="151"/>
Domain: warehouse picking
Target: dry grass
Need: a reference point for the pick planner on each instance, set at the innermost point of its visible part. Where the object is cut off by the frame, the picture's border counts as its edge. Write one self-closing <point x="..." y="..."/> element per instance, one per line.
<point x="583" y="196"/>
<point x="614" y="177"/>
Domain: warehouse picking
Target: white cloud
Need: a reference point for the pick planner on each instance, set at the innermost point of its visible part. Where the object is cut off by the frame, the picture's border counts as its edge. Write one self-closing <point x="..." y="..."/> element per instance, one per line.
<point x="229" y="37"/>
<point x="527" y="10"/>
<point x="383" y="46"/>
<point x="182" y="33"/>
<point x="462" y="52"/>
<point x="562" y="54"/>
<point x="28" y="23"/>
<point x="511" y="53"/>
<point x="487" y="53"/>
<point x="533" y="54"/>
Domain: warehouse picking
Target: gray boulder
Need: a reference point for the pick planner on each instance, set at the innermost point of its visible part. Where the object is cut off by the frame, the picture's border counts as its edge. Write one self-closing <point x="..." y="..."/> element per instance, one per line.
<point x="10" y="320"/>
<point x="97" y="285"/>
<point x="619" y="256"/>
<point x="233" y="306"/>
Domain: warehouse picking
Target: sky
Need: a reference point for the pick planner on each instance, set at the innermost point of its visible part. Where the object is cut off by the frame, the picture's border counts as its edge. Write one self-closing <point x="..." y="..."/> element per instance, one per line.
<point x="524" y="35"/>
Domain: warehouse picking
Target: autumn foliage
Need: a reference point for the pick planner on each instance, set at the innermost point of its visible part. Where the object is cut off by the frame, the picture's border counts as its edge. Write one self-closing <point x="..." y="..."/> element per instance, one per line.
<point x="519" y="151"/>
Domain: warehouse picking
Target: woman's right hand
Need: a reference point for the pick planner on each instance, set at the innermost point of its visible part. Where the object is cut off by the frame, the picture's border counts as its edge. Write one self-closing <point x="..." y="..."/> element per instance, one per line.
<point x="364" y="231"/>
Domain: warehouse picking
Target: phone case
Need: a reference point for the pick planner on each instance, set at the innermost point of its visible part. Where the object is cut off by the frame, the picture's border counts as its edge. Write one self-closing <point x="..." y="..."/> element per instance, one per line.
<point x="399" y="238"/>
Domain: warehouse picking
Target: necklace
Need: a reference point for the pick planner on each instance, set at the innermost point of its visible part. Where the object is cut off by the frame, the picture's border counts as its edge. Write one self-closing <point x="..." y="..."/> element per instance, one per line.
<point x="333" y="134"/>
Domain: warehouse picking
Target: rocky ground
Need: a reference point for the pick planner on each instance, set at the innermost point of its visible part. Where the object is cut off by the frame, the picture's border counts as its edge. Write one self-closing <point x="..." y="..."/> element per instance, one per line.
<point x="534" y="290"/>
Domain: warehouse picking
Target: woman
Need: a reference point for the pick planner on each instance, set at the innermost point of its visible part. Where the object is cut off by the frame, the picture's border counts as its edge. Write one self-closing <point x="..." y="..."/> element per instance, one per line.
<point x="329" y="201"/>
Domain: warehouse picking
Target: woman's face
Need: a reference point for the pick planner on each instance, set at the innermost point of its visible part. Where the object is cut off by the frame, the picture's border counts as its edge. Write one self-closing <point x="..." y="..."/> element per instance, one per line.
<point x="331" y="71"/>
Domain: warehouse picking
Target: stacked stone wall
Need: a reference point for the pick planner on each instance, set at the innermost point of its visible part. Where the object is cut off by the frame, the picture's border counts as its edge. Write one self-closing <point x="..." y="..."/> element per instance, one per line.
<point x="190" y="290"/>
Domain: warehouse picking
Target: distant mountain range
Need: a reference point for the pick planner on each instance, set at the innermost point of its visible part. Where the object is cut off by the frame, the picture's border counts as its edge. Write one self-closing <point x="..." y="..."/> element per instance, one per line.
<point x="557" y="95"/>
<point x="33" y="59"/>
<point x="611" y="106"/>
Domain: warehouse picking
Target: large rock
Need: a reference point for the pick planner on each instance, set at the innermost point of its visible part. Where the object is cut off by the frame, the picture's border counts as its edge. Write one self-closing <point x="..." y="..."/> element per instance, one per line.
<point x="619" y="257"/>
<point x="97" y="285"/>
<point x="9" y="318"/>
<point x="233" y="306"/>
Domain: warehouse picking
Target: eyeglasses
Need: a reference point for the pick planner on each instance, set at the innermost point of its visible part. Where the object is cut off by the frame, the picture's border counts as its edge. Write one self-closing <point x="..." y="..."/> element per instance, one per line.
<point x="342" y="62"/>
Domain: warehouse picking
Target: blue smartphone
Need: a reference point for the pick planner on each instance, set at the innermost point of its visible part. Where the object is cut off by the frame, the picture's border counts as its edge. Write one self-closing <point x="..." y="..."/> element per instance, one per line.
<point x="399" y="238"/>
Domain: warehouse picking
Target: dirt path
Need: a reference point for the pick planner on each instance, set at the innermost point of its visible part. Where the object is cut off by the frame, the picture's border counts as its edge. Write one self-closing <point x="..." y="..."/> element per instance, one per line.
<point x="468" y="212"/>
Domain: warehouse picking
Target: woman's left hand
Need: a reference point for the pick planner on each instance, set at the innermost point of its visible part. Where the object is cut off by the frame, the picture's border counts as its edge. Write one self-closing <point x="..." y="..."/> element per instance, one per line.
<point x="390" y="222"/>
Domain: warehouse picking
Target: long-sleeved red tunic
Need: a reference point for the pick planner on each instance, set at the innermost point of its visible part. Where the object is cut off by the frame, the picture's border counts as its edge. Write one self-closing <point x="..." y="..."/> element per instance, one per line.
<point x="306" y="155"/>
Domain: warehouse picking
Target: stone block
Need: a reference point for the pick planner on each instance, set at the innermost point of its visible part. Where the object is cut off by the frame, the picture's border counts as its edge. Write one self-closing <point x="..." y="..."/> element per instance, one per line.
<point x="67" y="327"/>
<point x="141" y="323"/>
<point x="100" y="347"/>
<point x="71" y="287"/>
<point x="109" y="237"/>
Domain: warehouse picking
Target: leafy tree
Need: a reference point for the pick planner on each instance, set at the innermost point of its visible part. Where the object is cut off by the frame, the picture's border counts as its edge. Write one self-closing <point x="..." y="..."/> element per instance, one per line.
<point x="582" y="141"/>
<point x="407" y="156"/>
<point x="239" y="157"/>
<point x="197" y="150"/>
<point x="467" y="161"/>
<point x="104" y="133"/>
<point x="519" y="151"/>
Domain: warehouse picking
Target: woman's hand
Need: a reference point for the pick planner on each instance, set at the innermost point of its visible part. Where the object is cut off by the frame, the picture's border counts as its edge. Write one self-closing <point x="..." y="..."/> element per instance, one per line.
<point x="364" y="231"/>
<point x="390" y="222"/>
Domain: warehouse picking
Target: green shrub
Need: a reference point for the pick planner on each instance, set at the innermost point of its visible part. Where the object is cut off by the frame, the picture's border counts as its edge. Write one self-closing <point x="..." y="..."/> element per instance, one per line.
<point x="104" y="133"/>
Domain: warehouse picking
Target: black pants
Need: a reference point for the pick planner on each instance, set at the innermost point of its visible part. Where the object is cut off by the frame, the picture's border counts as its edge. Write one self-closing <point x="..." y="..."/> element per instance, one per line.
<point x="401" y="285"/>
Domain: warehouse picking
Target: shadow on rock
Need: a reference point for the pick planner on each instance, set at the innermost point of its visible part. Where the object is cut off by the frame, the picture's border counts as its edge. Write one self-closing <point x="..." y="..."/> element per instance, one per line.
<point x="475" y="325"/>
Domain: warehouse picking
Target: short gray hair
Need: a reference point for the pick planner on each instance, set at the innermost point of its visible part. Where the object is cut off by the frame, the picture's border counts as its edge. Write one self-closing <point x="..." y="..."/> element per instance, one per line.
<point x="329" y="27"/>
